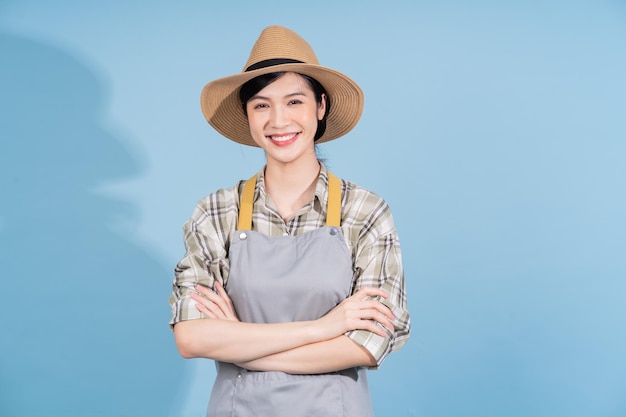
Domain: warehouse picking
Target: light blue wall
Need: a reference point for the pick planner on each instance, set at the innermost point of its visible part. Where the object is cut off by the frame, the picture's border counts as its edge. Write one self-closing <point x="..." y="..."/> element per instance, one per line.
<point x="496" y="131"/>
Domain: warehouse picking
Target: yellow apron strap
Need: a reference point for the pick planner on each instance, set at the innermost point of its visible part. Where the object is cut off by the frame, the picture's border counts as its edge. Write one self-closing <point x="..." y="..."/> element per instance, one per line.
<point x="333" y="212"/>
<point x="245" y="209"/>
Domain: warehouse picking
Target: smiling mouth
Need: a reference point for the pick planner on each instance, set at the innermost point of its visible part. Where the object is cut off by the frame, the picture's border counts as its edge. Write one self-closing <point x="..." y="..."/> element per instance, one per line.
<point x="283" y="139"/>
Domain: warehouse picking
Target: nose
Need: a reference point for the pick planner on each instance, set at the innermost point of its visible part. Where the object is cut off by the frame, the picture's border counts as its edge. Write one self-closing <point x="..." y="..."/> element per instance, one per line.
<point x="278" y="116"/>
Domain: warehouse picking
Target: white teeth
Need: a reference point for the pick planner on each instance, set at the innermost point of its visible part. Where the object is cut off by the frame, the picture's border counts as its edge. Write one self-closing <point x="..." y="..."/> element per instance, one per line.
<point x="283" y="138"/>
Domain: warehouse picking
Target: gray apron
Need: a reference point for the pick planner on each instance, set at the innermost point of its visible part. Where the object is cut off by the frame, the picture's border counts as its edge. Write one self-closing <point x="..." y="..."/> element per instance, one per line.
<point x="286" y="279"/>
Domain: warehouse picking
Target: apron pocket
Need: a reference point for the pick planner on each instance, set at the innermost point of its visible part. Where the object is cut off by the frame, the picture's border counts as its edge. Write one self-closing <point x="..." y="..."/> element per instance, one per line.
<point x="275" y="394"/>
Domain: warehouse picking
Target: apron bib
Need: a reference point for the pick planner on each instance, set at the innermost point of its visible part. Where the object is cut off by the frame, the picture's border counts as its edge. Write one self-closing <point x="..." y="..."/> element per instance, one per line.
<point x="285" y="279"/>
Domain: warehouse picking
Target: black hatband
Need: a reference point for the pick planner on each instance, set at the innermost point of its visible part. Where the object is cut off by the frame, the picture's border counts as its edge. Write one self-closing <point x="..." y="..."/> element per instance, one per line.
<point x="272" y="62"/>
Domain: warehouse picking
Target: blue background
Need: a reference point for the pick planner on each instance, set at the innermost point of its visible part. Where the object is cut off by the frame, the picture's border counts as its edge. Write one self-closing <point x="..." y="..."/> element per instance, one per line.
<point x="496" y="131"/>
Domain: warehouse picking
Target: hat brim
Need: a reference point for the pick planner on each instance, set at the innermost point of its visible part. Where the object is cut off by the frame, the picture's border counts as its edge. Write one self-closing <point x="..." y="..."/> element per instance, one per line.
<point x="223" y="110"/>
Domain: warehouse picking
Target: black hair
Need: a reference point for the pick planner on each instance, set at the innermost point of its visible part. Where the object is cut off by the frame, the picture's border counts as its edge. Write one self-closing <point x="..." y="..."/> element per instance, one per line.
<point x="253" y="86"/>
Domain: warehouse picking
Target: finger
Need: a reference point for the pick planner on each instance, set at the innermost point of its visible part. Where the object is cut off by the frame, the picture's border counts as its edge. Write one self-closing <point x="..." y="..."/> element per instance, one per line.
<point x="217" y="301"/>
<point x="227" y="304"/>
<point x="204" y="310"/>
<point x="381" y="308"/>
<point x="373" y="327"/>
<point x="369" y="307"/>
<point x="205" y="291"/>
<point x="385" y="321"/>
<point x="202" y="289"/>
<point x="206" y="304"/>
<point x="220" y="298"/>
<point x="377" y="317"/>
<point x="197" y="298"/>
<point x="381" y="331"/>
<point x="209" y="294"/>
<point x="223" y="294"/>
<point x="374" y="310"/>
<point x="370" y="292"/>
<point x="210" y="308"/>
<point x="368" y="310"/>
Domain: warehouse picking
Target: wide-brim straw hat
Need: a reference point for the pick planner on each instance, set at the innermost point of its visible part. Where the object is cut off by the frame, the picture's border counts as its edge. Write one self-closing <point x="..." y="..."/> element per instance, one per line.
<point x="279" y="49"/>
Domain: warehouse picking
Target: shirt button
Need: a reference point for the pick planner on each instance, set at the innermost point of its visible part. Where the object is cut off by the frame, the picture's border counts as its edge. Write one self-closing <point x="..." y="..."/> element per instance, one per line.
<point x="333" y="231"/>
<point x="239" y="375"/>
<point x="243" y="236"/>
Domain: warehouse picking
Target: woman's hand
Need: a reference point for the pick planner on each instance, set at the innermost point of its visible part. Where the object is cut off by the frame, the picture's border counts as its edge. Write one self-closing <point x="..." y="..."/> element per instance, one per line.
<point x="361" y="311"/>
<point x="215" y="304"/>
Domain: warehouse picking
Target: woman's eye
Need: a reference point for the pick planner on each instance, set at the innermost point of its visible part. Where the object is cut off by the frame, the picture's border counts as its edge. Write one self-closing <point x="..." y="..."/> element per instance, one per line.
<point x="260" y="106"/>
<point x="295" y="102"/>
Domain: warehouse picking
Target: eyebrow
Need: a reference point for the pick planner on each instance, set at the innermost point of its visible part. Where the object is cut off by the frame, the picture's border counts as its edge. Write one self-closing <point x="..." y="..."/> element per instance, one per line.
<point x="294" y="94"/>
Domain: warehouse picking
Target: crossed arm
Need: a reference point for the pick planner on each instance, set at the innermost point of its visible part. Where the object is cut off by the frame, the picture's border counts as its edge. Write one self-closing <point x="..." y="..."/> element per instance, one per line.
<point x="305" y="347"/>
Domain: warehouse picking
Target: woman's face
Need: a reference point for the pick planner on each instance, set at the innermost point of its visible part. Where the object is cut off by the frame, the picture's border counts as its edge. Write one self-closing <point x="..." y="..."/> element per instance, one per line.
<point x="283" y="119"/>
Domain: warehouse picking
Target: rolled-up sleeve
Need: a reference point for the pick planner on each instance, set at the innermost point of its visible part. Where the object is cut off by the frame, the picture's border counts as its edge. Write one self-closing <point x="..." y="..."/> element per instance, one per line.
<point x="378" y="263"/>
<point x="205" y="261"/>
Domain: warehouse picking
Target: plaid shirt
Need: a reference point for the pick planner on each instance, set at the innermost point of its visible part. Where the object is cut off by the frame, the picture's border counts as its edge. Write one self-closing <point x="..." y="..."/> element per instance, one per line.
<point x="367" y="226"/>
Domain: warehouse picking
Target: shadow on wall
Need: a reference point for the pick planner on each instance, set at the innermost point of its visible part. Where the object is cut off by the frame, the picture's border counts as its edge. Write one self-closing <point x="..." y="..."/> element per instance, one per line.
<point x="85" y="310"/>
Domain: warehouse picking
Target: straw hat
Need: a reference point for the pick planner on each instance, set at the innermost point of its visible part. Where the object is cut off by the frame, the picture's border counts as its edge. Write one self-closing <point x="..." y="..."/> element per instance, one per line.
<point x="280" y="49"/>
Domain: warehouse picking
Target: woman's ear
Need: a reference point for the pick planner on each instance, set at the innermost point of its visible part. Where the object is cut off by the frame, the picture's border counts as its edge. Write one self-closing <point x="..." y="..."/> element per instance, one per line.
<point x="321" y="109"/>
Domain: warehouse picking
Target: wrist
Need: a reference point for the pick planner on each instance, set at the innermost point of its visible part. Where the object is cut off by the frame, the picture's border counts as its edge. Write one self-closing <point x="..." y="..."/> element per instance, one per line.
<point x="314" y="332"/>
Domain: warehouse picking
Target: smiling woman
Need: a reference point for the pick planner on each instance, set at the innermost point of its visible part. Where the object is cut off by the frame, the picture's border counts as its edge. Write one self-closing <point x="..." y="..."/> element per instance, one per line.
<point x="284" y="119"/>
<point x="292" y="281"/>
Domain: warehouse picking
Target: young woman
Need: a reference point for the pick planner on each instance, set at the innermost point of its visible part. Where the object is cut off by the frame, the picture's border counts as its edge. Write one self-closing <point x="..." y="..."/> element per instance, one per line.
<point x="292" y="281"/>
